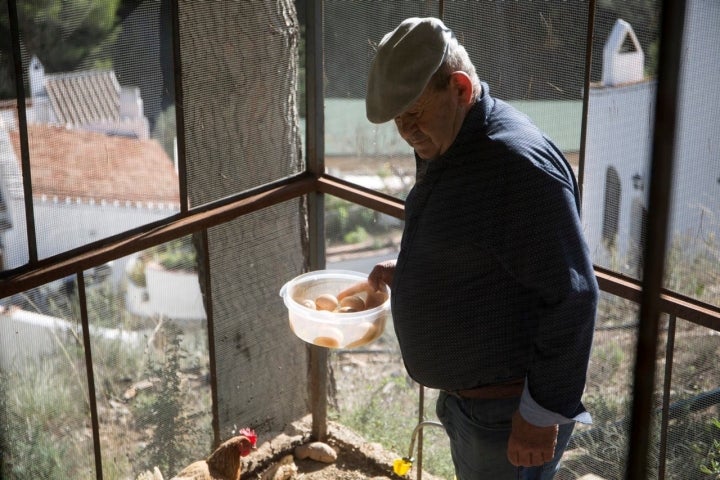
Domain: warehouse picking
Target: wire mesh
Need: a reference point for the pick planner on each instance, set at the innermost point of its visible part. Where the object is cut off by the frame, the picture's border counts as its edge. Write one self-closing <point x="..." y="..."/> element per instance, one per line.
<point x="151" y="362"/>
<point x="355" y="149"/>
<point x="240" y="80"/>
<point x="258" y="357"/>
<point x="45" y="409"/>
<point x="98" y="164"/>
<point x="144" y="325"/>
<point x="533" y="55"/>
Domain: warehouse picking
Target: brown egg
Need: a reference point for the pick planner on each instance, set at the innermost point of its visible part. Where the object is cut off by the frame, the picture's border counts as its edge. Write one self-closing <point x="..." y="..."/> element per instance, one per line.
<point x="330" y="337"/>
<point x="375" y="299"/>
<point x="345" y="310"/>
<point x="354" y="302"/>
<point x="355" y="289"/>
<point x="308" y="303"/>
<point x="371" y="334"/>
<point x="328" y="342"/>
<point x="326" y="301"/>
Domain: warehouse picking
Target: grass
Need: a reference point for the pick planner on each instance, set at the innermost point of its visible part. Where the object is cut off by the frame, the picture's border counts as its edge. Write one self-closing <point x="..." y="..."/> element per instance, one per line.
<point x="45" y="417"/>
<point x="375" y="397"/>
<point x="45" y="423"/>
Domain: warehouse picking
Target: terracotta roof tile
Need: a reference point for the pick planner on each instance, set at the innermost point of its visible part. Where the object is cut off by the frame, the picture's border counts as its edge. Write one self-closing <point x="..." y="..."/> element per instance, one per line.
<point x="78" y="164"/>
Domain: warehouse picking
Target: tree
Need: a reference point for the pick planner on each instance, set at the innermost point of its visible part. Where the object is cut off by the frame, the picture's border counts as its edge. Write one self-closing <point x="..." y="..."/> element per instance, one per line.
<point x="239" y="71"/>
<point x="64" y="35"/>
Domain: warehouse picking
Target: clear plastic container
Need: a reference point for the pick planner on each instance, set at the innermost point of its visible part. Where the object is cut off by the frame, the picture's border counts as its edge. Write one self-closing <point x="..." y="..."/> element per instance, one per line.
<point x="332" y="329"/>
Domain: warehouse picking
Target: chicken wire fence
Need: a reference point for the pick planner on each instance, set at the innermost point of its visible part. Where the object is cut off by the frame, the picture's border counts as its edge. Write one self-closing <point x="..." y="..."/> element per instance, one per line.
<point x="151" y="358"/>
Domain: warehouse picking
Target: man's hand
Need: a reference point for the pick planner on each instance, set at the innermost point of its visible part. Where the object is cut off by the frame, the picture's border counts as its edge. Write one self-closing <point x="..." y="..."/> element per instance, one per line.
<point x="530" y="446"/>
<point x="383" y="272"/>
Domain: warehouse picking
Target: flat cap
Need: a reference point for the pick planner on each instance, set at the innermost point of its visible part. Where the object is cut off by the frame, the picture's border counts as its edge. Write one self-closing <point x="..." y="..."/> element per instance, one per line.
<point x="405" y="60"/>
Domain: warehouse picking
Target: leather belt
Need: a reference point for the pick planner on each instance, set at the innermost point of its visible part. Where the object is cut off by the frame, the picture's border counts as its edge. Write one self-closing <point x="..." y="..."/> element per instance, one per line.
<point x="493" y="392"/>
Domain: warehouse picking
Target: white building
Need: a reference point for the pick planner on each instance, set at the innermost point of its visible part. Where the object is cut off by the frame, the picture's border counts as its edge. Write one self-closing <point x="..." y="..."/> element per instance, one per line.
<point x="86" y="187"/>
<point x="94" y="171"/>
<point x="619" y="142"/>
<point x="91" y="100"/>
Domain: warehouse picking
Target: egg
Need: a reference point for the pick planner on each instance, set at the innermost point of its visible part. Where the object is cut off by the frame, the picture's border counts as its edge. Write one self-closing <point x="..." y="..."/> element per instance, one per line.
<point x="328" y="342"/>
<point x="345" y="310"/>
<point x="330" y="337"/>
<point x="372" y="332"/>
<point x="375" y="299"/>
<point x="308" y="303"/>
<point x="354" y="302"/>
<point x="326" y="301"/>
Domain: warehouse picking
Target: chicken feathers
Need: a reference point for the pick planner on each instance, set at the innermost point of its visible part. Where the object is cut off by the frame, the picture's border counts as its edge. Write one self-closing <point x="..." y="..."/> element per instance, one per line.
<point x="225" y="462"/>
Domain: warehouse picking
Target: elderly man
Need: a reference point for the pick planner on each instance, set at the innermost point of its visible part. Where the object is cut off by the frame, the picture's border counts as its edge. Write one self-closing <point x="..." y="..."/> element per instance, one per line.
<point x="493" y="292"/>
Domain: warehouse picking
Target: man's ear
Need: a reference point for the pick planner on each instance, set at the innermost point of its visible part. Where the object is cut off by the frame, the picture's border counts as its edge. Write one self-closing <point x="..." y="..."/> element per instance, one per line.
<point x="463" y="85"/>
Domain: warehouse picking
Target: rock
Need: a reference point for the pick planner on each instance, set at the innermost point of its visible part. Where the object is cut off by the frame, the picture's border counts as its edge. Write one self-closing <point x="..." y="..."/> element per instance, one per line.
<point x="318" y="451"/>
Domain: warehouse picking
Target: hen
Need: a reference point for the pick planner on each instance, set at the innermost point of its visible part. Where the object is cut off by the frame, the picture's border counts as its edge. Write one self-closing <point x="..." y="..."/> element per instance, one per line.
<point x="225" y="462"/>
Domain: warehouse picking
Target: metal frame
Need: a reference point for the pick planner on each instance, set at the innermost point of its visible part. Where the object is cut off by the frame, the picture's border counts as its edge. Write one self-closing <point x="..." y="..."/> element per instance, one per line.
<point x="314" y="183"/>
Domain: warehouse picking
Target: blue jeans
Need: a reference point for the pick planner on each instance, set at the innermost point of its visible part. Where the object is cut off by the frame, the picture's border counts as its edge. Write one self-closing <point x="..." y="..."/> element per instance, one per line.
<point x="479" y="432"/>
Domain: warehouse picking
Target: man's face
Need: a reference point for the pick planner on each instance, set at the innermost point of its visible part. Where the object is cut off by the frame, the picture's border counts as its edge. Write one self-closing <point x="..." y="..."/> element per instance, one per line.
<point x="431" y="124"/>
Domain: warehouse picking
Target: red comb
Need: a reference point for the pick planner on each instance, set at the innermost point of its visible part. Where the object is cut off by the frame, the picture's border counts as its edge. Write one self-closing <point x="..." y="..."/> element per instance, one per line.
<point x="250" y="434"/>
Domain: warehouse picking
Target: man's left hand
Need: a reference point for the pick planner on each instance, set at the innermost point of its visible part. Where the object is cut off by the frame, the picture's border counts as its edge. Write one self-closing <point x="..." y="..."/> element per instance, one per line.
<point x="529" y="445"/>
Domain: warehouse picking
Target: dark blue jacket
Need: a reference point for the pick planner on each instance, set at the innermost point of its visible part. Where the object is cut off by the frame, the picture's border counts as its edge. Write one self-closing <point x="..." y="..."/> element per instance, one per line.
<point x="494" y="280"/>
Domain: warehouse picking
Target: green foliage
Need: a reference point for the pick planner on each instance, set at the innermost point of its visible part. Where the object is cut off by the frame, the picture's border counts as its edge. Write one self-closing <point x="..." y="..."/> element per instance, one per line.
<point x="137" y="273"/>
<point x="382" y="414"/>
<point x="177" y="254"/>
<point x="65" y="36"/>
<point x="173" y="431"/>
<point x="611" y="356"/>
<point x="39" y="408"/>
<point x="346" y="222"/>
<point x="356" y="236"/>
<point x="712" y="463"/>
<point x="4" y="425"/>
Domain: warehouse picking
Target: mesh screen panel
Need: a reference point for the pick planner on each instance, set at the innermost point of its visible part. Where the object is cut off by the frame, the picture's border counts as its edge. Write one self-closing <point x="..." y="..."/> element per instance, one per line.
<point x="261" y="365"/>
<point x="241" y="131"/>
<point x="106" y="166"/>
<point x="151" y="361"/>
<point x="44" y="410"/>
<point x="533" y="56"/>
<point x="98" y="164"/>
<point x="694" y="405"/>
<point x="618" y="150"/>
<point x="694" y="227"/>
<point x="355" y="149"/>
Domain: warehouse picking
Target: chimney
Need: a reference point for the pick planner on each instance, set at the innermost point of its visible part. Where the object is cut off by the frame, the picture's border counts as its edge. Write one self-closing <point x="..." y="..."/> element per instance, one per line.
<point x="37" y="77"/>
<point x="623" y="58"/>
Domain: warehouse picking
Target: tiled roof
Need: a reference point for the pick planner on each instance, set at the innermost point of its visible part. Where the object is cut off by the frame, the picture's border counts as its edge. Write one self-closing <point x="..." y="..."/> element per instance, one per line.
<point x="84" y="97"/>
<point x="75" y="164"/>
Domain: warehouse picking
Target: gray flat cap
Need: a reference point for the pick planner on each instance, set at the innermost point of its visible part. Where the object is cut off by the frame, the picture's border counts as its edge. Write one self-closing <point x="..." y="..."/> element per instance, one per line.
<point x="406" y="58"/>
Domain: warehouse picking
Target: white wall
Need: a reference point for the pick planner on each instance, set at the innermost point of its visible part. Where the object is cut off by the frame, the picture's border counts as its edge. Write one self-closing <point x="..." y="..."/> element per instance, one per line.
<point x="170" y="294"/>
<point x="620" y="125"/>
<point x="618" y="135"/>
<point x="64" y="224"/>
<point x="27" y="337"/>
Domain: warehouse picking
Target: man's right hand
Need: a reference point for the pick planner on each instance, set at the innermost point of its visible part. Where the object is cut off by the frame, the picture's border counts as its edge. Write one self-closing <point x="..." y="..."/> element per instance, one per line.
<point x="530" y="445"/>
<point x="383" y="272"/>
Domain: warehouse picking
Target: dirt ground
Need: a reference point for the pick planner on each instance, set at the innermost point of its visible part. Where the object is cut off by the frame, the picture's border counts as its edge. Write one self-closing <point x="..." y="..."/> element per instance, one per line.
<point x="357" y="459"/>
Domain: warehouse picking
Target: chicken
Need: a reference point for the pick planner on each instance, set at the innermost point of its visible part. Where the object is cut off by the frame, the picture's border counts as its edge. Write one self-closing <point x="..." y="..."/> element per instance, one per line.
<point x="225" y="462"/>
